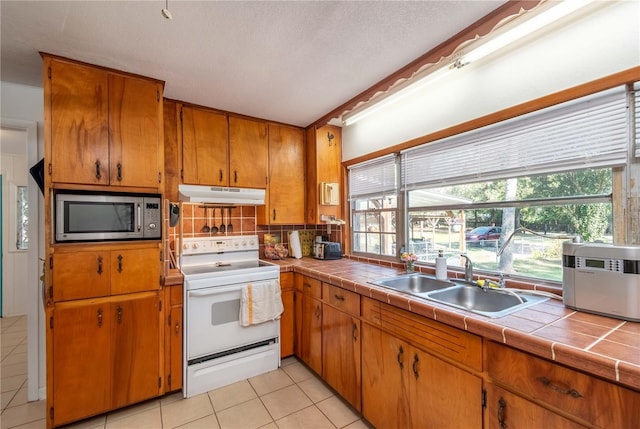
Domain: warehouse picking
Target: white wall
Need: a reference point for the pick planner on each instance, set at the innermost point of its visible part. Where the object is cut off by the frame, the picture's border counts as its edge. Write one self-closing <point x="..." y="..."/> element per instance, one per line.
<point x="597" y="44"/>
<point x="23" y="106"/>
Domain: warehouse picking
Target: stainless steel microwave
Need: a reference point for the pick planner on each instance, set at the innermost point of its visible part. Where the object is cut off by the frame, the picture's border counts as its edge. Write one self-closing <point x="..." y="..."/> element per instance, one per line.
<point x="105" y="216"/>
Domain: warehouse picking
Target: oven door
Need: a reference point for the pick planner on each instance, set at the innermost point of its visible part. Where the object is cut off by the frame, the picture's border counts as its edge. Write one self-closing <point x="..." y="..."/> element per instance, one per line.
<point x="213" y="322"/>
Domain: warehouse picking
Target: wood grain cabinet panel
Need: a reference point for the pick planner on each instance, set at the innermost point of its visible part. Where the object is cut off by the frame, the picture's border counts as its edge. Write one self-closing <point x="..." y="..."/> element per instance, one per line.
<point x="80" y="275"/>
<point x="173" y="338"/>
<point x="105" y="355"/>
<point x="103" y="127"/>
<point x="287" y="319"/>
<point x="78" y="105"/>
<point x="507" y="410"/>
<point x="135" y="270"/>
<point x="405" y="387"/>
<point x="309" y="322"/>
<point x="597" y="402"/>
<point x="248" y="153"/>
<point x="205" y="147"/>
<point x="285" y="201"/>
<point x="324" y="164"/>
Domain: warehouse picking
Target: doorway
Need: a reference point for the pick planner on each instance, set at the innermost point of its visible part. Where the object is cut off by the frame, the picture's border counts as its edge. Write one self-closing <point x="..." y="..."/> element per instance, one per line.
<point x="22" y="242"/>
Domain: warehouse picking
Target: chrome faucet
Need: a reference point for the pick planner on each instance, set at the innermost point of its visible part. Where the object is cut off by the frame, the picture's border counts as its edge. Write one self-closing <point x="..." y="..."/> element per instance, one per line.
<point x="468" y="268"/>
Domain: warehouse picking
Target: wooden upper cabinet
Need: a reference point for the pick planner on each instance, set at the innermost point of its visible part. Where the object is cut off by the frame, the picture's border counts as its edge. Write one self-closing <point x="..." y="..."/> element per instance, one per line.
<point x="205" y="151"/>
<point x="324" y="161"/>
<point x="135" y="118"/>
<point x="285" y="193"/>
<point x="102" y="127"/>
<point x="248" y="153"/>
<point x="79" y="117"/>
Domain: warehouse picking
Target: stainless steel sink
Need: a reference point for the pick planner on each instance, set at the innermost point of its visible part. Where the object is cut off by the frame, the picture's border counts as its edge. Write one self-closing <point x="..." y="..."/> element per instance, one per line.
<point x="488" y="302"/>
<point x="460" y="294"/>
<point x="416" y="284"/>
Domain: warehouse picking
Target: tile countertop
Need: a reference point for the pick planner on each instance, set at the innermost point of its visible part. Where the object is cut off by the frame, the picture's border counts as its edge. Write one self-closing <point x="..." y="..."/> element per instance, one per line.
<point x="598" y="345"/>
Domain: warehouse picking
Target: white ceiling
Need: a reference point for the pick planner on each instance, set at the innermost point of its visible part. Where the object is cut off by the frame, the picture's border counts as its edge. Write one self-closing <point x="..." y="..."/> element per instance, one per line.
<point x="288" y="61"/>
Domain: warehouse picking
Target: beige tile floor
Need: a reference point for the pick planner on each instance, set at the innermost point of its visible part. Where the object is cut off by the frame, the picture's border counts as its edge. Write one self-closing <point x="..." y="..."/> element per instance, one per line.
<point x="290" y="397"/>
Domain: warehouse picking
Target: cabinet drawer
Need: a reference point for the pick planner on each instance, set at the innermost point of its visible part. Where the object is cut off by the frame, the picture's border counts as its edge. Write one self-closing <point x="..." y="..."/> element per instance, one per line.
<point x="429" y="335"/>
<point x="175" y="295"/>
<point x="596" y="401"/>
<point x="309" y="286"/>
<point x="80" y="275"/>
<point x="345" y="300"/>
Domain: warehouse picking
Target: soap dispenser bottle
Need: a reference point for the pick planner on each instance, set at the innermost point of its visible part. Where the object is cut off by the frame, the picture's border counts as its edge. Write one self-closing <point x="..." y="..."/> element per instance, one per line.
<point x="441" y="266"/>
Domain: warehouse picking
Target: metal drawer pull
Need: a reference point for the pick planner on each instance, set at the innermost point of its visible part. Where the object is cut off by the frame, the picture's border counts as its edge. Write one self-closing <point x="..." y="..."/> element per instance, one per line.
<point x="558" y="388"/>
<point x="177" y="328"/>
<point x="416" y="362"/>
<point x="119" y="314"/>
<point x="502" y="405"/>
<point x="354" y="333"/>
<point x="120" y="257"/>
<point x="99" y="313"/>
<point x="119" y="174"/>
<point x="99" y="264"/>
<point x="339" y="297"/>
<point x="98" y="175"/>
<point x="400" y="356"/>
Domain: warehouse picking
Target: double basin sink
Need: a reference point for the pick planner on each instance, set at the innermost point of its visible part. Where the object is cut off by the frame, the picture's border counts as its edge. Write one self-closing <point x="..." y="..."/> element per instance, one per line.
<point x="461" y="294"/>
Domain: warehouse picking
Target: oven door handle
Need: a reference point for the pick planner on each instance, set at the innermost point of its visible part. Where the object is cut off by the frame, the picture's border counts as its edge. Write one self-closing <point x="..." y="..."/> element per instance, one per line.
<point x="208" y="292"/>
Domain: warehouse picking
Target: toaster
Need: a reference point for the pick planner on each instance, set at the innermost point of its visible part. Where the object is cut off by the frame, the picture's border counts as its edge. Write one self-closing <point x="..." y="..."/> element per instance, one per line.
<point x="602" y="279"/>
<point x="327" y="250"/>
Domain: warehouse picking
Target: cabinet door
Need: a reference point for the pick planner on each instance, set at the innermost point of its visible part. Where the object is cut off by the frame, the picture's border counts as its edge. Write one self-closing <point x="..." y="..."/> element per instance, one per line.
<point x="80" y="275"/>
<point x="79" y="124"/>
<point x="311" y="341"/>
<point x="205" y="147"/>
<point x="506" y="410"/>
<point x="442" y="395"/>
<point x="135" y="270"/>
<point x="81" y="360"/>
<point x="297" y="325"/>
<point x="175" y="342"/>
<point x="135" y="115"/>
<point x="385" y="368"/>
<point x="286" y="175"/>
<point x="136" y="349"/>
<point x="248" y="153"/>
<point x="341" y="354"/>
<point x="286" y="321"/>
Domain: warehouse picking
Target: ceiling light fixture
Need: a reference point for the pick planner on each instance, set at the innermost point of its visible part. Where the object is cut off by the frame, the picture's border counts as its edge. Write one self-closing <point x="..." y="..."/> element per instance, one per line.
<point x="537" y="22"/>
<point x="165" y="11"/>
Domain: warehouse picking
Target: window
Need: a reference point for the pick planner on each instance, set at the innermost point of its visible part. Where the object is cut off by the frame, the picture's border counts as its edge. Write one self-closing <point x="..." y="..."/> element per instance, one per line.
<point x="373" y="195"/>
<point x="549" y="173"/>
<point x="22" y="218"/>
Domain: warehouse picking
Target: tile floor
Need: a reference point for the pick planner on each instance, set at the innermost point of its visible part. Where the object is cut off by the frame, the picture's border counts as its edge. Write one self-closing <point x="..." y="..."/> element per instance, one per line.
<point x="290" y="397"/>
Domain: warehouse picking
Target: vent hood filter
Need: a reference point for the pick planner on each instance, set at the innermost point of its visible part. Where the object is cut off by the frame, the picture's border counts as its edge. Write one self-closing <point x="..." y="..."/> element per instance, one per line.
<point x="221" y="195"/>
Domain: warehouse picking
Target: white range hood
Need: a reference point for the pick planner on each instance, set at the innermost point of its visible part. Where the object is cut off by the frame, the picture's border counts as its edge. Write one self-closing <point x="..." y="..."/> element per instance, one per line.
<point x="221" y="195"/>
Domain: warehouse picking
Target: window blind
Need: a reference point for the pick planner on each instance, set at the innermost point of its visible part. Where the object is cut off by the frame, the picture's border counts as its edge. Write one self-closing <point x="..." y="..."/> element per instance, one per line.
<point x="373" y="178"/>
<point x="588" y="132"/>
<point x="636" y="117"/>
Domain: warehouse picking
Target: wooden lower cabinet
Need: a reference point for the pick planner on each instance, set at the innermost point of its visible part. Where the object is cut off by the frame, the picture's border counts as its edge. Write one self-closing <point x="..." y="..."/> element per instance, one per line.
<point x="173" y="338"/>
<point x="287" y="319"/>
<point x="405" y="387"/>
<point x="308" y="321"/>
<point x="507" y="410"/>
<point x="105" y="355"/>
<point x="341" y="353"/>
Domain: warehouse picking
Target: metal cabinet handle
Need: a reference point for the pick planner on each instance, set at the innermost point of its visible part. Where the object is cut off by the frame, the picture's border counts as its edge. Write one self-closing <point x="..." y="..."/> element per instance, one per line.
<point x="99" y="314"/>
<point x="177" y="328"/>
<point x="99" y="264"/>
<point x="502" y="405"/>
<point x="220" y="180"/>
<point x="558" y="388"/>
<point x="400" y="357"/>
<point x="235" y="176"/>
<point x="120" y="258"/>
<point x="416" y="369"/>
<point x="317" y="312"/>
<point x="98" y="174"/>
<point x="307" y="285"/>
<point x="354" y="333"/>
<point x="119" y="314"/>
<point x="274" y="214"/>
<point x="339" y="297"/>
<point x="119" y="169"/>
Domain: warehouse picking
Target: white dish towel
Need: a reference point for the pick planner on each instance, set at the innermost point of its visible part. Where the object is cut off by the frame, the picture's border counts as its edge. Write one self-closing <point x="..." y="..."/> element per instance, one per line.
<point x="260" y="303"/>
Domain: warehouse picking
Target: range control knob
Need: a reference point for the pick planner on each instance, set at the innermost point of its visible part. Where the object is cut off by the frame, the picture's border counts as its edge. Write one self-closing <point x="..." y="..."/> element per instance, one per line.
<point x="195" y="245"/>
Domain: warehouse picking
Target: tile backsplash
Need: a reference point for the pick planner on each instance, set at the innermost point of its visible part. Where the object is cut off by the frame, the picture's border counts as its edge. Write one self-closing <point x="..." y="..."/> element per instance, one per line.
<point x="244" y="222"/>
